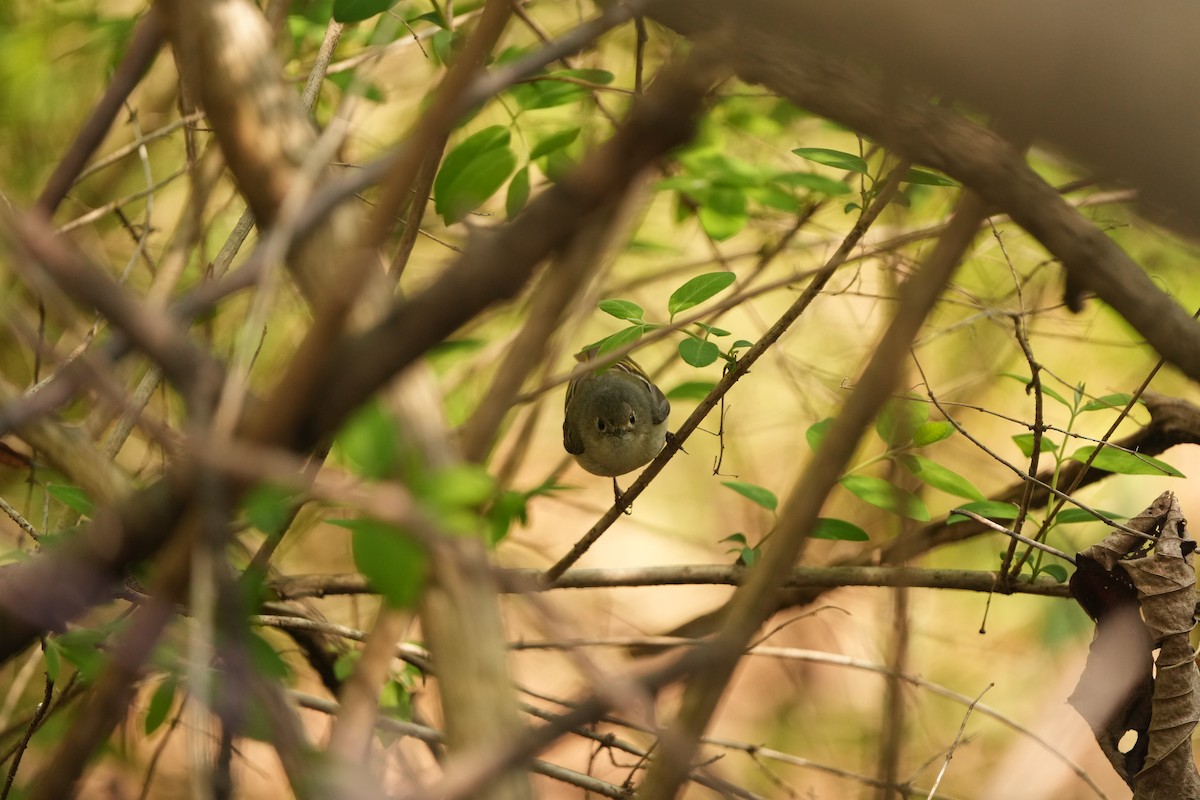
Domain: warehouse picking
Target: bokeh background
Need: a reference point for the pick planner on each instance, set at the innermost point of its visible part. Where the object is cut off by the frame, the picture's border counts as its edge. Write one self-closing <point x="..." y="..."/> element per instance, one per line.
<point x="788" y="726"/>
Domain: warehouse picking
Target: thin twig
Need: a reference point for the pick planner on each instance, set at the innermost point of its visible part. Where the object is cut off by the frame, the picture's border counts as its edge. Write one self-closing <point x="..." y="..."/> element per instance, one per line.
<point x="1018" y="537"/>
<point x="16" y="517"/>
<point x="953" y="745"/>
<point x="35" y="723"/>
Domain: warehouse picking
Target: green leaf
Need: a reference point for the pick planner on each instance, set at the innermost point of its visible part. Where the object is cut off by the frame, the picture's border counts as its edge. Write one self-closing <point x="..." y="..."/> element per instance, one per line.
<point x="459" y="486"/>
<point x="1046" y="390"/>
<point x="928" y="433"/>
<point x="621" y="338"/>
<point x="1110" y="459"/>
<point x="691" y="390"/>
<point x="698" y="353"/>
<point x="1072" y="516"/>
<point x="691" y="185"/>
<point x="454" y="349"/>
<point x="472" y="172"/>
<point x="712" y="331"/>
<point x="882" y="494"/>
<point x="816" y="433"/>
<point x="395" y="700"/>
<point x="622" y="309"/>
<point x="833" y="158"/>
<point x="599" y="76"/>
<point x="518" y="193"/>
<point x="699" y="289"/>
<point x="368" y="441"/>
<point x="838" y="529"/>
<point x="345" y="11"/>
<point x="72" y="497"/>
<point x="53" y="661"/>
<point x="509" y="507"/>
<point x="443" y="44"/>
<point x="159" y="705"/>
<point x="553" y="142"/>
<point x="723" y="212"/>
<point x="268" y="507"/>
<point x="746" y="554"/>
<point x="814" y="183"/>
<point x="344" y="664"/>
<point x="926" y="178"/>
<point x="774" y="197"/>
<point x="1056" y="571"/>
<point x="1025" y="442"/>
<point x="991" y="509"/>
<point x="939" y="477"/>
<point x="83" y="647"/>
<point x="757" y="494"/>
<point x="899" y="419"/>
<point x="394" y="563"/>
<point x="558" y="165"/>
<point x="1117" y="401"/>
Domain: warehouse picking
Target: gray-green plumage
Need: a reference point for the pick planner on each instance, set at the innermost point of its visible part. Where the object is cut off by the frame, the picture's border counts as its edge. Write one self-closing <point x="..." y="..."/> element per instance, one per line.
<point x="615" y="421"/>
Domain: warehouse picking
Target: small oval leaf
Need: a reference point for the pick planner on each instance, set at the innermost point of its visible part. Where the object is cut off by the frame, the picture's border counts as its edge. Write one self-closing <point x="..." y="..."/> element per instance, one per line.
<point x="991" y="509"/>
<point x="369" y="441"/>
<point x="882" y="494"/>
<point x="1073" y="516"/>
<point x="159" y="705"/>
<point x="940" y="477"/>
<point x="622" y="309"/>
<point x="928" y="433"/>
<point x="393" y="562"/>
<point x="839" y="530"/>
<point x="899" y="419"/>
<point x="346" y="11"/>
<point x="472" y="172"/>
<point x="72" y="497"/>
<point x="833" y="158"/>
<point x="1025" y="442"/>
<point x="691" y="390"/>
<point x="620" y="339"/>
<point x="1122" y="462"/>
<point x="698" y="353"/>
<point x="723" y="212"/>
<point x="554" y="142"/>
<point x="816" y="433"/>
<point x="699" y="289"/>
<point x="763" y="497"/>
<point x="518" y="193"/>
<point x="1056" y="571"/>
<point x="1117" y="401"/>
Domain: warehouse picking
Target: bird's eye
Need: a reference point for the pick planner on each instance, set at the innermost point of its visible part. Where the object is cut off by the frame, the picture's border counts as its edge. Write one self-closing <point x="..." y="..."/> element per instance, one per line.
<point x="600" y="424"/>
<point x="632" y="421"/>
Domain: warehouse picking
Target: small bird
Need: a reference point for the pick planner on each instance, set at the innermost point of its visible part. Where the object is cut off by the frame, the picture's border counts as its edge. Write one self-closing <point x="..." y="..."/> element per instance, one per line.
<point x="614" y="421"/>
